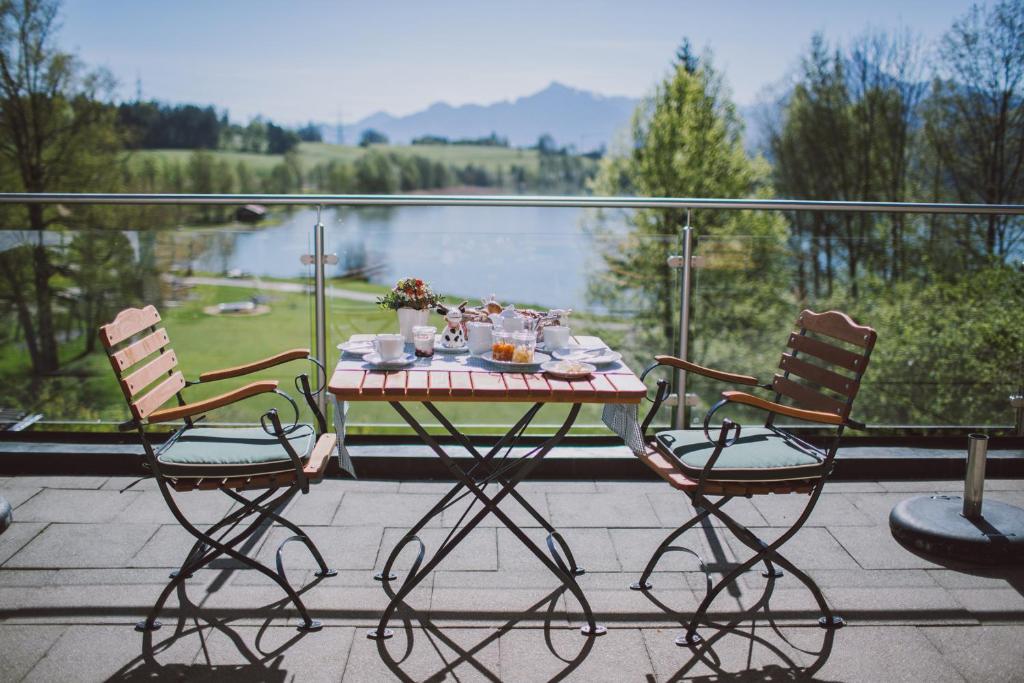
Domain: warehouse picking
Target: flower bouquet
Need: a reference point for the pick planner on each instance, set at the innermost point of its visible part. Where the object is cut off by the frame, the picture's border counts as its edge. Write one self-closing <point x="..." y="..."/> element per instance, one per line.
<point x="413" y="299"/>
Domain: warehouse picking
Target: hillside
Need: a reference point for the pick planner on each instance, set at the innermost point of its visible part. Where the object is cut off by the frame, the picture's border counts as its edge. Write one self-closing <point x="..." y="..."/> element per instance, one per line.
<point x="580" y="118"/>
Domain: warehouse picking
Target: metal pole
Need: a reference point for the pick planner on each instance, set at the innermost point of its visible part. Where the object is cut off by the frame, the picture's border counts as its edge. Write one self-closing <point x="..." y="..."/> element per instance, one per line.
<point x="974" y="482"/>
<point x="320" y="298"/>
<point x="680" y="418"/>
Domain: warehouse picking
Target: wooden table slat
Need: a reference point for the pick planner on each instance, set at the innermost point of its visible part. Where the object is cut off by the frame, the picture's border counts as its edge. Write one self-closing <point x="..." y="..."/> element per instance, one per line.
<point x="439" y="383"/>
<point x="461" y="384"/>
<point x="603" y="388"/>
<point x="628" y="385"/>
<point x="537" y="385"/>
<point x="347" y="382"/>
<point x="488" y="384"/>
<point x="417" y="383"/>
<point x="394" y="384"/>
<point x="559" y="387"/>
<point x="516" y="384"/>
<point x="373" y="383"/>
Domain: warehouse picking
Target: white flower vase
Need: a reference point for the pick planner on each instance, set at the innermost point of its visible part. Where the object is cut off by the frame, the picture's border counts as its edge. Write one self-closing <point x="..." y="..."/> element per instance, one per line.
<point x="409" y="318"/>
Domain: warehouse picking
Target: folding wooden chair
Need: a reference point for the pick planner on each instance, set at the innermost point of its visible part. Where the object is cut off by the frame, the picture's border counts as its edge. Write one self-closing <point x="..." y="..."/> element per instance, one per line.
<point x="267" y="458"/>
<point x="821" y="374"/>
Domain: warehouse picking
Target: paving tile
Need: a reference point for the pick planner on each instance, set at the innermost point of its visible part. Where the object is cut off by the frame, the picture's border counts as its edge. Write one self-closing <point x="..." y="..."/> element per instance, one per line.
<point x="17" y="537"/>
<point x="533" y="655"/>
<point x="885" y="654"/>
<point x="592" y="549"/>
<point x="477" y="551"/>
<point x="674" y="510"/>
<point x="982" y="653"/>
<point x="17" y="496"/>
<point x="511" y="507"/>
<point x="22" y="646"/>
<point x="419" y="654"/>
<point x="877" y="506"/>
<point x="834" y="486"/>
<point x="434" y="488"/>
<point x="985" y="603"/>
<point x="491" y="599"/>
<point x="342" y="547"/>
<point x="978" y="577"/>
<point x="361" y="485"/>
<point x="318" y="507"/>
<point x="875" y="548"/>
<point x="752" y="651"/>
<point x="832" y="509"/>
<point x="641" y="487"/>
<point x="558" y="486"/>
<point x="810" y="548"/>
<point x="27" y="577"/>
<point x="49" y="482"/>
<point x="387" y="509"/>
<point x="83" y="545"/>
<point x="927" y="486"/>
<point x="277" y="653"/>
<point x="897" y="606"/>
<point x="135" y="483"/>
<point x="615" y="606"/>
<point x="601" y="509"/>
<point x="75" y="651"/>
<point x="199" y="507"/>
<point x="635" y="547"/>
<point x="84" y="506"/>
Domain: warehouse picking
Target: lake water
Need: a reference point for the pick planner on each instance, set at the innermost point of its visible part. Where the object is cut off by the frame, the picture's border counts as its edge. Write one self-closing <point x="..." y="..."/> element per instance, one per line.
<point x="530" y="254"/>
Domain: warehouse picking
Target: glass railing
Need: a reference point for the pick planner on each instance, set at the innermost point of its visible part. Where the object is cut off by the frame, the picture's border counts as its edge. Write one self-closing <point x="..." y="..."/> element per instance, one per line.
<point x="949" y="351"/>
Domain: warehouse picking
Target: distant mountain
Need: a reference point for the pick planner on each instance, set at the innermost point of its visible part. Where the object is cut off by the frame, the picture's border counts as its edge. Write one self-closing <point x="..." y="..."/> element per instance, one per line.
<point x="572" y="117"/>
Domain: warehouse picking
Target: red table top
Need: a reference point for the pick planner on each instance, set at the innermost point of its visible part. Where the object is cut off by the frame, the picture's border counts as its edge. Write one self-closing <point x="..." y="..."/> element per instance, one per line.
<point x="470" y="383"/>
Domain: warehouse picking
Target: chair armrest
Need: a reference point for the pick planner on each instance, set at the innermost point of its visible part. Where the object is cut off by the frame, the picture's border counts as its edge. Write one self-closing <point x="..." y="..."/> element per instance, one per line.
<point x="719" y="375"/>
<point x="283" y="357"/>
<point x="206" y="405"/>
<point x="779" y="409"/>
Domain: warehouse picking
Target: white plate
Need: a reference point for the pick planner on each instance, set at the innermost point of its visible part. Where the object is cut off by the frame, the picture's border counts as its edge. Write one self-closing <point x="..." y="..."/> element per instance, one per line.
<point x="356" y="348"/>
<point x="440" y="348"/>
<point x="551" y="367"/>
<point x="582" y="356"/>
<point x="538" y="359"/>
<point x="402" y="361"/>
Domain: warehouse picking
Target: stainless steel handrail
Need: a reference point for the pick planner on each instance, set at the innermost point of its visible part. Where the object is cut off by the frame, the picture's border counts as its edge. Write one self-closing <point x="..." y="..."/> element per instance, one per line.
<point x="687" y="203"/>
<point x="513" y="200"/>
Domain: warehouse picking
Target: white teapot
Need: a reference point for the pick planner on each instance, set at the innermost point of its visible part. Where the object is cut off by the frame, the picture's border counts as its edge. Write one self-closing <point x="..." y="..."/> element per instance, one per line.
<point x="508" y="320"/>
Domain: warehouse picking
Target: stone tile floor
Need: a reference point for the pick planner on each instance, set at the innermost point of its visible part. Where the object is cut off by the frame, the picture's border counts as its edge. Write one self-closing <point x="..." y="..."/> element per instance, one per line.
<point x="84" y="561"/>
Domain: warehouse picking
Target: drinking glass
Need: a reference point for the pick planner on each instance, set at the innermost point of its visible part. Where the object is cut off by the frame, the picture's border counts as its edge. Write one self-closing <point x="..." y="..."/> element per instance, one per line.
<point x="524" y="344"/>
<point x="423" y="340"/>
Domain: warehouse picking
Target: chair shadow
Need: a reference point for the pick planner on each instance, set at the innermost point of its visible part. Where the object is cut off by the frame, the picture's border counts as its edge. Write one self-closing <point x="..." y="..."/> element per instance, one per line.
<point x="261" y="665"/>
<point x="433" y="634"/>
<point x="727" y="634"/>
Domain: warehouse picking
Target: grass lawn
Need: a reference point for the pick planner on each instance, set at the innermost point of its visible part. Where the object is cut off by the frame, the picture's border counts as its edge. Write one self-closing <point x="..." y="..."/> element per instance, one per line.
<point x="313" y="153"/>
<point x="85" y="389"/>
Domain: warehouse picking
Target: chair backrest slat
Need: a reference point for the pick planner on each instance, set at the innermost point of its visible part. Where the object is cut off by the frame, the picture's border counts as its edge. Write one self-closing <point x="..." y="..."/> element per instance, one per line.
<point x="163" y="392"/>
<point x="815" y="373"/>
<point x="133" y="353"/>
<point x="838" y="326"/>
<point x="128" y="322"/>
<point x="826" y="352"/>
<point x="826" y="346"/>
<point x="809" y="398"/>
<point x="149" y="373"/>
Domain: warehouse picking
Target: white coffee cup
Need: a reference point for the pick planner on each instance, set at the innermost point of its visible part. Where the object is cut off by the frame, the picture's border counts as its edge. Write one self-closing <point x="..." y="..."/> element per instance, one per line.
<point x="389" y="346"/>
<point x="479" y="337"/>
<point x="556" y="337"/>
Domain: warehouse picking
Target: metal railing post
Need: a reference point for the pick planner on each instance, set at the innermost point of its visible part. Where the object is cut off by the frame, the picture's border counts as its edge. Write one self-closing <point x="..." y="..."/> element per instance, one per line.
<point x="681" y="417"/>
<point x="974" y="482"/>
<point x="320" y="305"/>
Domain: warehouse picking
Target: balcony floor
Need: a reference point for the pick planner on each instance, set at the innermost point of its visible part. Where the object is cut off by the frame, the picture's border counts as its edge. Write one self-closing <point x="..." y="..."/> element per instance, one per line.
<point x="83" y="562"/>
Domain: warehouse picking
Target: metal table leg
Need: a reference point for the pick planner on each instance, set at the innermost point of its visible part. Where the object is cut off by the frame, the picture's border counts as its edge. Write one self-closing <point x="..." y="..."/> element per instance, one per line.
<point x="527" y="464"/>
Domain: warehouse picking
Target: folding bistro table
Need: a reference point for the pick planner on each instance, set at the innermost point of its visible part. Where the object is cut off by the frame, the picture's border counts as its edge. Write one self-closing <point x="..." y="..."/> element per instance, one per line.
<point x="460" y="378"/>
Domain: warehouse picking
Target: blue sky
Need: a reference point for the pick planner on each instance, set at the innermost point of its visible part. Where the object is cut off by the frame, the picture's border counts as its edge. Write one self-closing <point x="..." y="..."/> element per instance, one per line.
<point x="303" y="60"/>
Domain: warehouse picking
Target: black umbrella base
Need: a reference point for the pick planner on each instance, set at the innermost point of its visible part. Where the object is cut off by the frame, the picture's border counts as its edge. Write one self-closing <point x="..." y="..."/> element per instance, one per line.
<point x="5" y="515"/>
<point x="935" y="525"/>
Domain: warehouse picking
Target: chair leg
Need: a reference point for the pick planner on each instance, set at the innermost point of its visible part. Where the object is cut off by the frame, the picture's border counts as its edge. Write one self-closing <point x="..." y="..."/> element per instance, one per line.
<point x="666" y="546"/>
<point x="300" y="535"/>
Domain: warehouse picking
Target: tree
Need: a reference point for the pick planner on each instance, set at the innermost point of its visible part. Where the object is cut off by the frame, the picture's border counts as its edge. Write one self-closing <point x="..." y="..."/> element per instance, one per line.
<point x="310" y="133"/>
<point x="686" y="142"/>
<point x="975" y="122"/>
<point x="55" y="134"/>
<point x="372" y="137"/>
<point x="279" y="140"/>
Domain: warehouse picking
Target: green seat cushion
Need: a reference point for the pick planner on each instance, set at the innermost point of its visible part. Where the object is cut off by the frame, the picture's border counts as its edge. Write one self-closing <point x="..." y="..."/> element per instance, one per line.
<point x="232" y="452"/>
<point x="758" y="455"/>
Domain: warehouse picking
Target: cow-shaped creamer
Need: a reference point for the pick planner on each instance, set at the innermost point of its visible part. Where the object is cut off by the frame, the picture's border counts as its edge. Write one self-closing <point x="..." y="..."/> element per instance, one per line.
<point x="453" y="336"/>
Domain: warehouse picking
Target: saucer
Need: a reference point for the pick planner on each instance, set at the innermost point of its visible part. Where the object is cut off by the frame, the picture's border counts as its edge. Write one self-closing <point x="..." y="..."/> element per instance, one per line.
<point x="402" y="361"/>
<point x="557" y="369"/>
<point x="582" y="355"/>
<point x="356" y="348"/>
<point x="538" y="358"/>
